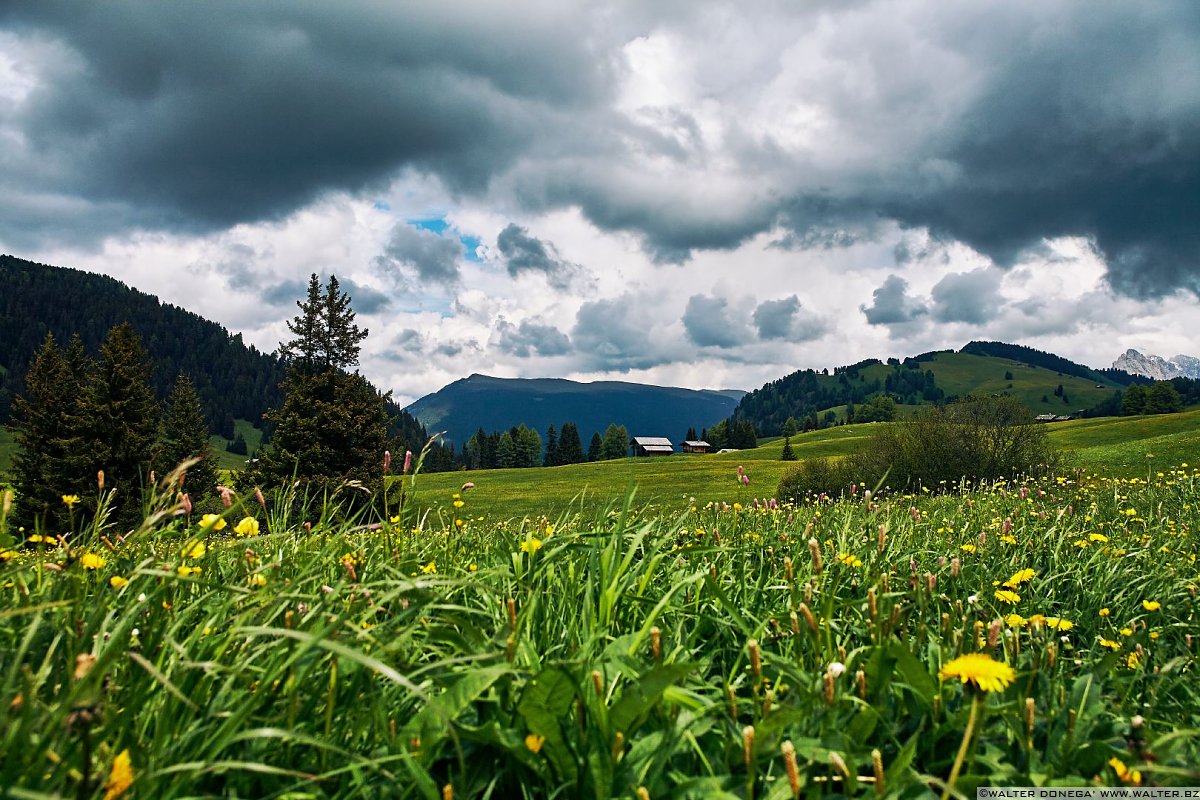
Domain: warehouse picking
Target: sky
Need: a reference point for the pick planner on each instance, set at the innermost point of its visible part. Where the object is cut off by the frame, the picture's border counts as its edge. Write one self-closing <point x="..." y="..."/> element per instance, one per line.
<point x="689" y="193"/>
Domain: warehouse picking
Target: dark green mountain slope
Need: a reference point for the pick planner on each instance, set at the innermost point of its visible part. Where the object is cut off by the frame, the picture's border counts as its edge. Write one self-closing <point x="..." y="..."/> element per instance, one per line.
<point x="500" y="403"/>
<point x="1046" y="383"/>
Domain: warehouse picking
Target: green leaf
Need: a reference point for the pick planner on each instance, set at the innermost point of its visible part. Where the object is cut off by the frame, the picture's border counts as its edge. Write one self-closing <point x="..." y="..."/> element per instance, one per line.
<point x="638" y="700"/>
<point x="544" y="705"/>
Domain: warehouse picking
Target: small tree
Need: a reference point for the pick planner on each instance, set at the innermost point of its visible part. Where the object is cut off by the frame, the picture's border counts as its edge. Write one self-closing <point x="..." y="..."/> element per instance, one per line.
<point x="570" y="448"/>
<point x="616" y="442"/>
<point x="183" y="436"/>
<point x="595" y="448"/>
<point x="788" y="453"/>
<point x="552" y="457"/>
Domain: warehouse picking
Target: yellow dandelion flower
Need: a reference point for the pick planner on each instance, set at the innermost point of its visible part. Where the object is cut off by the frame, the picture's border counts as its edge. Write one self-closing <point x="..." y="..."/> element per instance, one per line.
<point x="7" y="555"/>
<point x="535" y="742"/>
<point x="429" y="569"/>
<point x="247" y="527"/>
<point x="1055" y="623"/>
<point x="257" y="580"/>
<point x="1151" y="605"/>
<point x="1019" y="577"/>
<point x="1110" y="644"/>
<point x="968" y="548"/>
<point x="472" y="567"/>
<point x="1133" y="660"/>
<point x="1124" y="773"/>
<point x="1104" y="612"/>
<point x="531" y="545"/>
<point x="117" y="582"/>
<point x="120" y="777"/>
<point x="980" y="670"/>
<point x="92" y="561"/>
<point x="459" y="503"/>
<point x="1007" y="539"/>
<point x="1005" y="596"/>
<point x="212" y="522"/>
<point x="1015" y="621"/>
<point x="1037" y="621"/>
<point x="69" y="500"/>
<point x="185" y="571"/>
<point x="195" y="550"/>
<point x="1127" y="631"/>
<point x="850" y="560"/>
<point x="1097" y="537"/>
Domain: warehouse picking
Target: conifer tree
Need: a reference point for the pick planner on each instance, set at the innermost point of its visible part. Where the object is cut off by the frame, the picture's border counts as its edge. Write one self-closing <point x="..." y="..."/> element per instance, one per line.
<point x="123" y="419"/>
<point x="184" y="435"/>
<point x="570" y="448"/>
<point x="332" y="427"/>
<point x="45" y="421"/>
<point x="552" y="456"/>
<point x="788" y="453"/>
<point x="595" y="447"/>
<point x="615" y="443"/>
<point x="506" y="451"/>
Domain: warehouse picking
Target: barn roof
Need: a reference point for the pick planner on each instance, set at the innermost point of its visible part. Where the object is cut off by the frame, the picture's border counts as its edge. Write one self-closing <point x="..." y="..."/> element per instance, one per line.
<point x="658" y="448"/>
<point x="651" y="441"/>
<point x="691" y="443"/>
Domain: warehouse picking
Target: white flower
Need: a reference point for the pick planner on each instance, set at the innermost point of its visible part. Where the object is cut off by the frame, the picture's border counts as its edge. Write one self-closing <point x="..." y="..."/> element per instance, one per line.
<point x="836" y="669"/>
<point x="973" y="599"/>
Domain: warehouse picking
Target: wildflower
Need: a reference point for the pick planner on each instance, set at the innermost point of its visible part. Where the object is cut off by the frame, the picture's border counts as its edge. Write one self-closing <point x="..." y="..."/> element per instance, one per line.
<point x="407" y="461"/>
<point x="1015" y="621"/>
<point x="69" y="500"/>
<point x="1005" y="596"/>
<point x="850" y="560"/>
<point x="1098" y="537"/>
<point x="1110" y="644"/>
<point x="1151" y="605"/>
<point x="1124" y="773"/>
<point x="120" y="776"/>
<point x="472" y="568"/>
<point x="535" y="742"/>
<point x="257" y="580"/>
<point x="1133" y="660"/>
<point x="1019" y="577"/>
<point x="968" y="548"/>
<point x="1054" y="623"/>
<point x="92" y="561"/>
<point x="185" y="571"/>
<point x="981" y="670"/>
<point x="531" y="545"/>
<point x="1127" y="631"/>
<point x="213" y="522"/>
<point x="195" y="550"/>
<point x="117" y="582"/>
<point x="429" y="569"/>
<point x="247" y="527"/>
<point x="1104" y="612"/>
<point x="7" y="555"/>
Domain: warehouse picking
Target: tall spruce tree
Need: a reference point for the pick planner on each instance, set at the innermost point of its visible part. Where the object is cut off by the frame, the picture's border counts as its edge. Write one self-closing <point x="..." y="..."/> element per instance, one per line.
<point x="595" y="447"/>
<point x="184" y="435"/>
<point x="124" y="418"/>
<point x="46" y="422"/>
<point x="570" y="448"/>
<point x="552" y="456"/>
<point x="332" y="427"/>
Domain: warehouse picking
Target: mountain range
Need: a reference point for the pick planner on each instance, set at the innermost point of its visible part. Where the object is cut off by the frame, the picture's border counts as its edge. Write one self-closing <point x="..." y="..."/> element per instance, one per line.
<point x="1157" y="367"/>
<point x="481" y="401"/>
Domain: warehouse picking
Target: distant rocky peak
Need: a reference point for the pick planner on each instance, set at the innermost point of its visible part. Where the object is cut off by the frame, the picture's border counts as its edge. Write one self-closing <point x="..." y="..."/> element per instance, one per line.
<point x="1157" y="367"/>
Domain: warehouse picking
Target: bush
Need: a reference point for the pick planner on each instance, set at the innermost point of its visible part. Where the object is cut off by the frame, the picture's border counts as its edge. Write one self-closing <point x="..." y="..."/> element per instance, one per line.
<point x="977" y="439"/>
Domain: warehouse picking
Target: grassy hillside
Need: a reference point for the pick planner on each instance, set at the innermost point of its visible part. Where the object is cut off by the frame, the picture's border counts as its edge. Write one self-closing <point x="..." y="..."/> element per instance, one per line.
<point x="962" y="374"/>
<point x="1115" y="446"/>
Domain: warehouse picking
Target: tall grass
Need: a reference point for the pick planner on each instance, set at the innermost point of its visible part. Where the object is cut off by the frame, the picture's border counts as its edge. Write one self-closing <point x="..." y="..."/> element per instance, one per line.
<point x="668" y="653"/>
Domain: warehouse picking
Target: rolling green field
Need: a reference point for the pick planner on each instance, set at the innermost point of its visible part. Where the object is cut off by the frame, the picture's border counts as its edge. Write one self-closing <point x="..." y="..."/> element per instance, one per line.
<point x="1115" y="446"/>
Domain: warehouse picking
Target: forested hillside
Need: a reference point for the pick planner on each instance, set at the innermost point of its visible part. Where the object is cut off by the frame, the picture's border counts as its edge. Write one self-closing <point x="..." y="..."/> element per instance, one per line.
<point x="234" y="380"/>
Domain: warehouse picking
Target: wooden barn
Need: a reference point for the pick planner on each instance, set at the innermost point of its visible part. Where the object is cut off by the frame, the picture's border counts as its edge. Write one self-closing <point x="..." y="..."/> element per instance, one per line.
<point x="690" y="446"/>
<point x="651" y="446"/>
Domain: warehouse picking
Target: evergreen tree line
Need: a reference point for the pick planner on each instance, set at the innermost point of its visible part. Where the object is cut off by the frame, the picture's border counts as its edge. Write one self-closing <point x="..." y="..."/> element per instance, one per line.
<point x="520" y="447"/>
<point x="233" y="380"/>
<point x="1160" y="397"/>
<point x="85" y="425"/>
<point x="732" y="433"/>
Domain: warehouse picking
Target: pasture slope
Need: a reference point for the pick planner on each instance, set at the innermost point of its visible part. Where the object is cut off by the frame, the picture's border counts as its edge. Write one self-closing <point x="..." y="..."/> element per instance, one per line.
<point x="1111" y="446"/>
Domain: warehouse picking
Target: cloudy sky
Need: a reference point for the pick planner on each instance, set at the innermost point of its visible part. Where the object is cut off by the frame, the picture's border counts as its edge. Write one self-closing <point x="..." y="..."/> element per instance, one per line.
<point x="692" y="193"/>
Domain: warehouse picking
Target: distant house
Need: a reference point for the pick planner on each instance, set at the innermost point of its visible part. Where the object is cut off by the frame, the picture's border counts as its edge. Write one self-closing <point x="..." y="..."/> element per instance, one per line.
<point x="690" y="446"/>
<point x="1055" y="417"/>
<point x="651" y="446"/>
<point x="1044" y="418"/>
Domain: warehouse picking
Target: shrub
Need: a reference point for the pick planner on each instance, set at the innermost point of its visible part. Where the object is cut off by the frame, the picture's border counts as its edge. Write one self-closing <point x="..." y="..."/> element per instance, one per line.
<point x="816" y="476"/>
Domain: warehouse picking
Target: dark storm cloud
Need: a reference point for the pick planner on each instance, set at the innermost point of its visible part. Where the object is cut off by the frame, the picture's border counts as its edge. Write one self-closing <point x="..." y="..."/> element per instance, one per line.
<point x="525" y="253"/>
<point x="202" y="115"/>
<point x="997" y="124"/>
<point x="709" y="322"/>
<point x="786" y="320"/>
<point x="891" y="304"/>
<point x="530" y="338"/>
<point x="972" y="297"/>
<point x="434" y="257"/>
